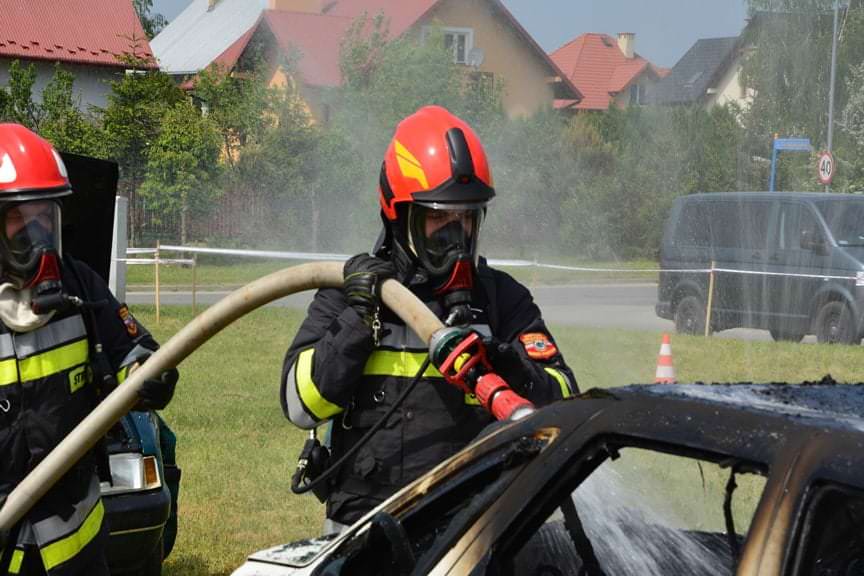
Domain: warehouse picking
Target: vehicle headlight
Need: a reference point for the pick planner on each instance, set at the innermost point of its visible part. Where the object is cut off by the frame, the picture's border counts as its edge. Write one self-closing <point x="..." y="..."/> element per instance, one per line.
<point x="132" y="472"/>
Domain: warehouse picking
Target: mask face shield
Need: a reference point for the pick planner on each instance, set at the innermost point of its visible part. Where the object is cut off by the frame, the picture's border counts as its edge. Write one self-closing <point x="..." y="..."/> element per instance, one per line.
<point x="442" y="234"/>
<point x="30" y="229"/>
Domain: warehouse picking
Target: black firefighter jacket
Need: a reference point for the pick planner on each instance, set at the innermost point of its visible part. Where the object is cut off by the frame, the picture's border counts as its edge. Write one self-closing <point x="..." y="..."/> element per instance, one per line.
<point x="46" y="388"/>
<point x="333" y="371"/>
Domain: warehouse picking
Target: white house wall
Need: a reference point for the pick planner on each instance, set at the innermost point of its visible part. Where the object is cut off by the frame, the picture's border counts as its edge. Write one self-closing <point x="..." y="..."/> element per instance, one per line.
<point x="92" y="83"/>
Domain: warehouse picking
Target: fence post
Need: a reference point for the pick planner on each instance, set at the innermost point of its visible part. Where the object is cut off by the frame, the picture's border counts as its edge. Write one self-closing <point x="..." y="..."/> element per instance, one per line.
<point x="194" y="284"/>
<point x="156" y="279"/>
<point x="710" y="304"/>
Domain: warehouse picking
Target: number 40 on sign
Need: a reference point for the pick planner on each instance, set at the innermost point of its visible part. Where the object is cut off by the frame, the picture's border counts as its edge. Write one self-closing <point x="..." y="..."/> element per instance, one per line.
<point x="826" y="168"/>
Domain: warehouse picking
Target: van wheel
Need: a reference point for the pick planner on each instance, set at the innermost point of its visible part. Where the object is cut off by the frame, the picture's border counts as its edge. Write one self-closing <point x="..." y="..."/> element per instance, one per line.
<point x="835" y="325"/>
<point x="783" y="335"/>
<point x="690" y="316"/>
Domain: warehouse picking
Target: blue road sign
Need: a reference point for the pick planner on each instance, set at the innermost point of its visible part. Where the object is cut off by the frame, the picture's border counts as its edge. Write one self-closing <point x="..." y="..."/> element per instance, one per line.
<point x="786" y="145"/>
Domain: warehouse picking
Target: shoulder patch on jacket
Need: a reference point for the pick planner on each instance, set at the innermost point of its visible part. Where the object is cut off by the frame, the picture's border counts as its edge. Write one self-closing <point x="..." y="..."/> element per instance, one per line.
<point x="128" y="320"/>
<point x="538" y="345"/>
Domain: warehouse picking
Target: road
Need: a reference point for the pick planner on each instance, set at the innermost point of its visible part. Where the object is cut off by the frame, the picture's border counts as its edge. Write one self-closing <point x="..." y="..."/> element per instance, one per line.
<point x="625" y="305"/>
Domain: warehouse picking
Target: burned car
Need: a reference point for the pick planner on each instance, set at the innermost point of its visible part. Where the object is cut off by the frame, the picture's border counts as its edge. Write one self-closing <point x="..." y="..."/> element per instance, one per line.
<point x="553" y="493"/>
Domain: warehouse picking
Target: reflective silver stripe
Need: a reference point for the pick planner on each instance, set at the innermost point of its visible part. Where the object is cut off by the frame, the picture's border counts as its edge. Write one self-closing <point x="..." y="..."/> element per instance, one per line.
<point x="7" y="350"/>
<point x="50" y="336"/>
<point x="401" y="337"/>
<point x="135" y="355"/>
<point x="296" y="412"/>
<point x="54" y="528"/>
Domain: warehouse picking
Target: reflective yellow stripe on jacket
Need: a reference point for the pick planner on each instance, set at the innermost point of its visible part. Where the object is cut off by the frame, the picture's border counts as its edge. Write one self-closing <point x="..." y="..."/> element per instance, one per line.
<point x="70" y="546"/>
<point x="17" y="560"/>
<point x="402" y="364"/>
<point x="566" y="392"/>
<point x="8" y="371"/>
<point x="53" y="361"/>
<point x="315" y="403"/>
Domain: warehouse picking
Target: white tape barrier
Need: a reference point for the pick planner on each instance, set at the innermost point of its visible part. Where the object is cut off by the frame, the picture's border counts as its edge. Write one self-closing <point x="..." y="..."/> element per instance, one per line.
<point x="134" y="261"/>
<point x="312" y="256"/>
<point x="140" y="251"/>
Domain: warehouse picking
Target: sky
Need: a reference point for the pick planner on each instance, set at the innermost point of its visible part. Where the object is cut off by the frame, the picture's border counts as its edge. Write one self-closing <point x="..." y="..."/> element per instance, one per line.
<point x="665" y="29"/>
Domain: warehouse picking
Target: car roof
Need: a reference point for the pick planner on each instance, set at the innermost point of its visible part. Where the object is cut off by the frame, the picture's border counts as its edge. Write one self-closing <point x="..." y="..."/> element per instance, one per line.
<point x="754" y="424"/>
<point x="739" y="196"/>
<point x="825" y="403"/>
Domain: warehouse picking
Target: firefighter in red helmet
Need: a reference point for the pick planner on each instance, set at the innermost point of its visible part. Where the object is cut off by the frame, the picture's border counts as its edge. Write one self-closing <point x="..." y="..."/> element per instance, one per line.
<point x="64" y="341"/>
<point x="352" y="357"/>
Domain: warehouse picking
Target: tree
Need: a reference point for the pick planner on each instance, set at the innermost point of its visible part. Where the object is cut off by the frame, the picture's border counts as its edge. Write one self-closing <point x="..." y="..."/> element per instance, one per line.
<point x="242" y="106"/>
<point x="132" y="122"/>
<point x="152" y="23"/>
<point x="57" y="116"/>
<point x="182" y="164"/>
<point x="789" y="71"/>
<point x="16" y="100"/>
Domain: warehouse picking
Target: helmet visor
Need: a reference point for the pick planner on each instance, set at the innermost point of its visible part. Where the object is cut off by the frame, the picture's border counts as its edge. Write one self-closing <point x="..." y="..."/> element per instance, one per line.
<point x="29" y="229"/>
<point x="442" y="234"/>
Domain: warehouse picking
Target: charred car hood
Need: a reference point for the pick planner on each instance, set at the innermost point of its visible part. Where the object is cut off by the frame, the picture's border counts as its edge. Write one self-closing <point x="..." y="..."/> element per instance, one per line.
<point x="281" y="559"/>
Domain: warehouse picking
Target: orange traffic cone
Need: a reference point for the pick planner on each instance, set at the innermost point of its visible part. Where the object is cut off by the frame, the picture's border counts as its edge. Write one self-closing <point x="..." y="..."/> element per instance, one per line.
<point x="665" y="369"/>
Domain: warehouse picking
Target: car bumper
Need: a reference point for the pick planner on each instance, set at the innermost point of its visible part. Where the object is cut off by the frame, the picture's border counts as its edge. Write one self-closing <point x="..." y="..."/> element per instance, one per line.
<point x="136" y="521"/>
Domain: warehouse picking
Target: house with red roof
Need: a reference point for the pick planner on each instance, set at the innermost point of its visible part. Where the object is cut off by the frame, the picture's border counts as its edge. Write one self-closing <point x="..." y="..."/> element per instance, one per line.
<point x="483" y="35"/>
<point x="85" y="36"/>
<point x="607" y="71"/>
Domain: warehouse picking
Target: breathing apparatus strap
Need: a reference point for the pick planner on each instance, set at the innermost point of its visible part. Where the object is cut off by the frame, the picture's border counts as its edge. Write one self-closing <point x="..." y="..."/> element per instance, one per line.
<point x="301" y="483"/>
<point x="105" y="380"/>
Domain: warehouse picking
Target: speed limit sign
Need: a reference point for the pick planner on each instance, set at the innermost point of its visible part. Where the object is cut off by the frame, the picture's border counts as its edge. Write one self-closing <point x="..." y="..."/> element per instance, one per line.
<point x="826" y="168"/>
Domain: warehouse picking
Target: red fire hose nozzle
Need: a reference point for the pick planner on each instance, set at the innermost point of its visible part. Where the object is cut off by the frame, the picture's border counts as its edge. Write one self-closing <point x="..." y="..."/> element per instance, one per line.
<point x="460" y="355"/>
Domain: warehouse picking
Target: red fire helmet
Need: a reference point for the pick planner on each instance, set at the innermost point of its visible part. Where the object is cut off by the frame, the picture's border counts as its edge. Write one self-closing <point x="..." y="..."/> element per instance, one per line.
<point x="30" y="167"/>
<point x="434" y="158"/>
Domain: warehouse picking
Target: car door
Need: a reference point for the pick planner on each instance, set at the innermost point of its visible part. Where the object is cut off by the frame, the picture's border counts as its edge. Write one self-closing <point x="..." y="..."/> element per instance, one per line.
<point x="789" y="291"/>
<point x="830" y="537"/>
<point x="739" y="230"/>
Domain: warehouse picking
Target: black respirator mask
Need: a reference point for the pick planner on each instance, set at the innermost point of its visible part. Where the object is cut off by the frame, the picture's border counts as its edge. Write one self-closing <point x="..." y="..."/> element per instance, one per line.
<point x="31" y="257"/>
<point x="449" y="253"/>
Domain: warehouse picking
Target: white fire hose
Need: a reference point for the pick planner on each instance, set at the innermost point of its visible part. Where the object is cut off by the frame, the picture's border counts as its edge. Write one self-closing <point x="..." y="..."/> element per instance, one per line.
<point x="239" y="303"/>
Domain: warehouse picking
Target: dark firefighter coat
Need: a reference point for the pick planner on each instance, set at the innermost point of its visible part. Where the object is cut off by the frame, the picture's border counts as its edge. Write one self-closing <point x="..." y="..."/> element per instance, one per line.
<point x="334" y="371"/>
<point x="47" y="387"/>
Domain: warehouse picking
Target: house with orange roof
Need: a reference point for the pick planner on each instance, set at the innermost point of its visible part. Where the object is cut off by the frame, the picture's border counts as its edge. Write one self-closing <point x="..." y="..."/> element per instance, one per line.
<point x="483" y="35"/>
<point x="607" y="71"/>
<point x="87" y="37"/>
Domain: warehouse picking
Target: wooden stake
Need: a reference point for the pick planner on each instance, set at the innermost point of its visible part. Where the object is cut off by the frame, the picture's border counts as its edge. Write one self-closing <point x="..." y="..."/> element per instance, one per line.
<point x="156" y="279"/>
<point x="194" y="283"/>
<point x="710" y="300"/>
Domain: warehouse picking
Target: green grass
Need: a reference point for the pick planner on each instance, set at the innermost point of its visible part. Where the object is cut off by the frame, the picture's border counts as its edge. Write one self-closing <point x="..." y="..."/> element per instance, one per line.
<point x="238" y="452"/>
<point x="174" y="277"/>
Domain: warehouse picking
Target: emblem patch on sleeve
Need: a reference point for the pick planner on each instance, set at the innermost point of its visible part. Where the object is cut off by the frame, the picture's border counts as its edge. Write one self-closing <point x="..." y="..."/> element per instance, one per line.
<point x="128" y="320"/>
<point x="538" y="345"/>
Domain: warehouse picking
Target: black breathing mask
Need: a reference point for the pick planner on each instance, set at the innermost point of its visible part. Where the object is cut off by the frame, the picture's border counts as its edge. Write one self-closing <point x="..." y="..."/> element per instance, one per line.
<point x="444" y="239"/>
<point x="31" y="257"/>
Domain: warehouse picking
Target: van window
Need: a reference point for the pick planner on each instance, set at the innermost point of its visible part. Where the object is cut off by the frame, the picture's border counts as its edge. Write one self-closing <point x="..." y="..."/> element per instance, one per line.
<point x="796" y="219"/>
<point x="693" y="226"/>
<point x="740" y="224"/>
<point x="845" y="218"/>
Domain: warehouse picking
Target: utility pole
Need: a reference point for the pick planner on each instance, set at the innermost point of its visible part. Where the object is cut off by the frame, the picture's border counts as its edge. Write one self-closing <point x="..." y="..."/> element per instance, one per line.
<point x="833" y="81"/>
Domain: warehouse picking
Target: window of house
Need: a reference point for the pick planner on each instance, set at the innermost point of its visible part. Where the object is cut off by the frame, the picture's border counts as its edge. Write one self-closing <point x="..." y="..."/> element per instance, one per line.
<point x="460" y="41"/>
<point x="637" y="95"/>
